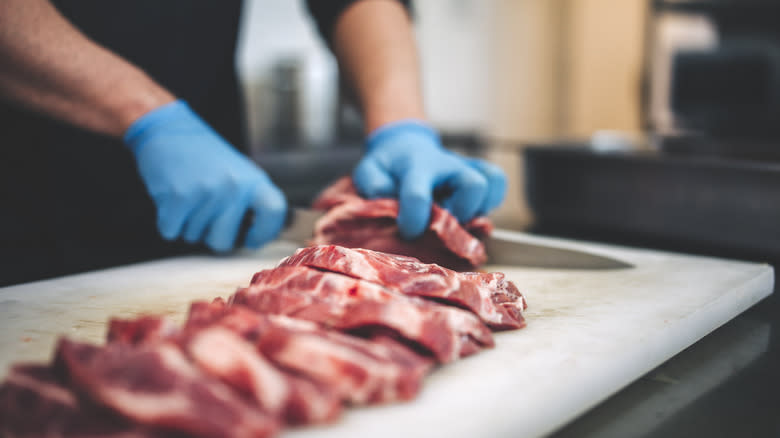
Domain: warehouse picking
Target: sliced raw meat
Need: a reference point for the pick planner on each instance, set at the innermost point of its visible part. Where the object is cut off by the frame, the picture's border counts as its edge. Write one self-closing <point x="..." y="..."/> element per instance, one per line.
<point x="35" y="404"/>
<point x="155" y="385"/>
<point x="218" y="352"/>
<point x="142" y="329"/>
<point x="348" y="303"/>
<point x="479" y="227"/>
<point x="358" y="370"/>
<point x="341" y="191"/>
<point x="503" y="292"/>
<point x="224" y="354"/>
<point x="355" y="222"/>
<point x="493" y="298"/>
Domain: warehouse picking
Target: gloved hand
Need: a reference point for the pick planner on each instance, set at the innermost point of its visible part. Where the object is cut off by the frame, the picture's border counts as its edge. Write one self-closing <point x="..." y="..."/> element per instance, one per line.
<point x="202" y="187"/>
<point x="406" y="160"/>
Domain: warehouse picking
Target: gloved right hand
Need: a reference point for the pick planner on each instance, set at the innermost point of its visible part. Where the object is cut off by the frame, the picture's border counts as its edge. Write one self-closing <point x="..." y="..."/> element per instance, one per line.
<point x="406" y="160"/>
<point x="201" y="185"/>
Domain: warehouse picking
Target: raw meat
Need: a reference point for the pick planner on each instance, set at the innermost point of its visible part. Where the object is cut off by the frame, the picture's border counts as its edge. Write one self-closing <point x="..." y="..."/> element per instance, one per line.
<point x="347" y="303"/>
<point x="224" y="354"/>
<point x="355" y="222"/>
<point x="142" y="329"/>
<point x="493" y="298"/>
<point x="328" y="326"/>
<point x="153" y="384"/>
<point x="360" y="371"/>
<point x="337" y="193"/>
<point x="34" y="403"/>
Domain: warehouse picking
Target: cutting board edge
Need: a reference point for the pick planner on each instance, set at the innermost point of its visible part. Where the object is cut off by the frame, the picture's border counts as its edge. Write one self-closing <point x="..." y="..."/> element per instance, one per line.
<point x="764" y="289"/>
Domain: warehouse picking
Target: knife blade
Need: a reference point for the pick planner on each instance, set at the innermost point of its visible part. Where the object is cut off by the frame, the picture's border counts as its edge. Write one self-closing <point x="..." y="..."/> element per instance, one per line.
<point x="514" y="253"/>
<point x="299" y="228"/>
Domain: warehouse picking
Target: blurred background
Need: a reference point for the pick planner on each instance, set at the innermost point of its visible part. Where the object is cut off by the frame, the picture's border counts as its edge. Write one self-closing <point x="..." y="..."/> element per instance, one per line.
<point x="504" y="70"/>
<point x="650" y="122"/>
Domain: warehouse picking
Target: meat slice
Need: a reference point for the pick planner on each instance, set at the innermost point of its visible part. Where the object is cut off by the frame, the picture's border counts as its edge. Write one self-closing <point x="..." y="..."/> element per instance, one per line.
<point x="504" y="293"/>
<point x="145" y="328"/>
<point x="218" y="352"/>
<point x="355" y="222"/>
<point x="341" y="191"/>
<point x="358" y="370"/>
<point x="493" y="298"/>
<point x="224" y="354"/>
<point x="153" y="384"/>
<point x="348" y="303"/>
<point x="34" y="403"/>
<point x="237" y="362"/>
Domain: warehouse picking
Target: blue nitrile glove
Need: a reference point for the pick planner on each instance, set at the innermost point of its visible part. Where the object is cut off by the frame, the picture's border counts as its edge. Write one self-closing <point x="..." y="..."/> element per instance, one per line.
<point x="405" y="159"/>
<point x="201" y="185"/>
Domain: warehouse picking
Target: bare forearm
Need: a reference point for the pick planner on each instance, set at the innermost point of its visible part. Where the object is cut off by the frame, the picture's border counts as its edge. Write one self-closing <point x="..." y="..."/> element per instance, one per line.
<point x="48" y="66"/>
<point x="374" y="42"/>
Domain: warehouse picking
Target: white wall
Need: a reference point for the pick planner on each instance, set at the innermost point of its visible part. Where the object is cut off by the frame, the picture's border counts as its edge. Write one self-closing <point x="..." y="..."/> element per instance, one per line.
<point x="455" y="39"/>
<point x="455" y="49"/>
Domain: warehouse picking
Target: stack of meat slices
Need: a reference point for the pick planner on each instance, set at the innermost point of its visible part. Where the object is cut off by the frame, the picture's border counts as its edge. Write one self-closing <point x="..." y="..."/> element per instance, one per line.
<point x="328" y="327"/>
<point x="355" y="222"/>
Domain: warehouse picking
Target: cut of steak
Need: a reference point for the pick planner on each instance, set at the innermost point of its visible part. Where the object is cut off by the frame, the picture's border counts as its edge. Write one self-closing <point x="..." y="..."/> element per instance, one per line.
<point x="355" y="222"/>
<point x="237" y="362"/>
<point x="224" y="354"/>
<point x="341" y="191"/>
<point x="493" y="298"/>
<point x="153" y="384"/>
<point x="347" y="303"/>
<point x="503" y="292"/>
<point x="358" y="370"/>
<point x="34" y="403"/>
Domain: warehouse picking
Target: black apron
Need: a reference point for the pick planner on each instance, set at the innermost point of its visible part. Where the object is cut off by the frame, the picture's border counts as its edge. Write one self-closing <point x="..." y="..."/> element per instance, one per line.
<point x="73" y="200"/>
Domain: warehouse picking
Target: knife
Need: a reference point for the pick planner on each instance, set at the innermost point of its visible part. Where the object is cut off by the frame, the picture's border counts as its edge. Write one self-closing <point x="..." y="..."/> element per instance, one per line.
<point x="299" y="228"/>
<point x="514" y="253"/>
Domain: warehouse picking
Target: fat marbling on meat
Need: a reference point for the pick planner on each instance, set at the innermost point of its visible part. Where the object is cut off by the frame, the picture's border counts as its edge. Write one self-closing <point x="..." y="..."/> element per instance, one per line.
<point x="494" y="299"/>
<point x="356" y="222"/>
<point x="351" y="304"/>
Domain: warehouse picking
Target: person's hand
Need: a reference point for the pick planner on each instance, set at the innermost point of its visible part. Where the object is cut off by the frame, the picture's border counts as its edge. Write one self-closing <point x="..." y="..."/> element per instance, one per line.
<point x="201" y="185"/>
<point x="406" y="160"/>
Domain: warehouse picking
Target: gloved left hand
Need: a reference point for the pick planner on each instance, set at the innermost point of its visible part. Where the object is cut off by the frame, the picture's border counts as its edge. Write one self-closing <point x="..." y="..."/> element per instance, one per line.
<point x="406" y="159"/>
<point x="201" y="185"/>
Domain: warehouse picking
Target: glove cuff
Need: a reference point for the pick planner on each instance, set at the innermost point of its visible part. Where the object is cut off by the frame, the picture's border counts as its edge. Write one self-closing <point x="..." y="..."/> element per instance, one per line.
<point x="162" y="115"/>
<point x="403" y="125"/>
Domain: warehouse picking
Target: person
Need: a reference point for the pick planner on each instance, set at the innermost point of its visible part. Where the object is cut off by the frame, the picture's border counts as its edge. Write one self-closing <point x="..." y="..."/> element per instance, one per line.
<point x="121" y="131"/>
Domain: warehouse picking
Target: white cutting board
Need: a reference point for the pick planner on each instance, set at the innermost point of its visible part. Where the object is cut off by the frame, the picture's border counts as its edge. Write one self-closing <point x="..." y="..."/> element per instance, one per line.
<point x="589" y="333"/>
